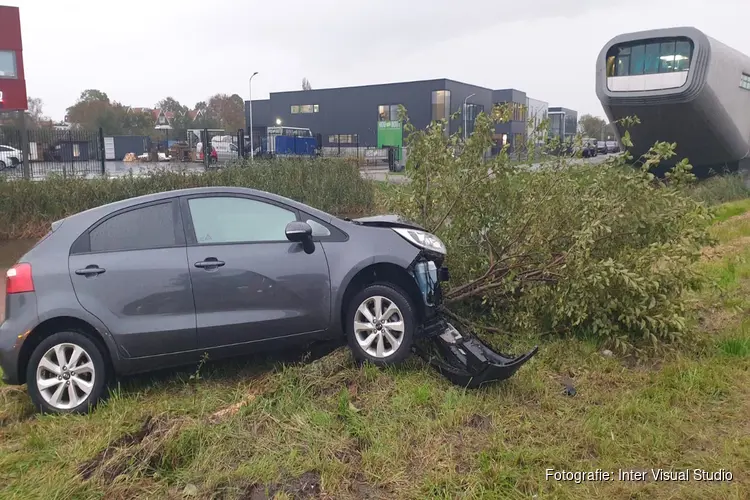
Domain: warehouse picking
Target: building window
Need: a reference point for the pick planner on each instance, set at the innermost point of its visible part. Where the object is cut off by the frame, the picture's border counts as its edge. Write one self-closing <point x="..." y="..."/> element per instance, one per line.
<point x="518" y="111"/>
<point x="556" y="125"/>
<point x="472" y="111"/>
<point x="8" y="64"/>
<point x="441" y="104"/>
<point x="745" y="81"/>
<point x="343" y="139"/>
<point x="647" y="57"/>
<point x="388" y="112"/>
<point x="305" y="108"/>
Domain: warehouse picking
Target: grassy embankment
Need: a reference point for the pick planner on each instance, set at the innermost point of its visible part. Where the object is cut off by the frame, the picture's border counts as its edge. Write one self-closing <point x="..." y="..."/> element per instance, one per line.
<point x="328" y="429"/>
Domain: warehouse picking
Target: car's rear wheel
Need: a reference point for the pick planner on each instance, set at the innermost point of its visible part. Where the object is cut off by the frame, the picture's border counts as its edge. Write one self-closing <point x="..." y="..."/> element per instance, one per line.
<point x="380" y="324"/>
<point x="2" y="165"/>
<point x="66" y="374"/>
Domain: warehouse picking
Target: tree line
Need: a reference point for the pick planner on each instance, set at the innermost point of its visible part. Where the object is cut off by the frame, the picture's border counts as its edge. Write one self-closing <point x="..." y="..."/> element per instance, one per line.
<point x="94" y="109"/>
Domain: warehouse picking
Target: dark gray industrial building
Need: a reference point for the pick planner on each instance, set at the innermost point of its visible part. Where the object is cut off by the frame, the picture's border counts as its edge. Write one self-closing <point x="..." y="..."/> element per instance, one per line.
<point x="685" y="87"/>
<point x="366" y="116"/>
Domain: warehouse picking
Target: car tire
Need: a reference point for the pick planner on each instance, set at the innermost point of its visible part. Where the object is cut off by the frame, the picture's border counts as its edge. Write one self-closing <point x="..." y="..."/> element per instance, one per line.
<point x="2" y="165"/>
<point x="389" y="346"/>
<point x="55" y="387"/>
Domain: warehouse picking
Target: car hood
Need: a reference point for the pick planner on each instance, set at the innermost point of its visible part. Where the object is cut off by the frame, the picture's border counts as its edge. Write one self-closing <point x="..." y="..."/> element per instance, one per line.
<point x="387" y="221"/>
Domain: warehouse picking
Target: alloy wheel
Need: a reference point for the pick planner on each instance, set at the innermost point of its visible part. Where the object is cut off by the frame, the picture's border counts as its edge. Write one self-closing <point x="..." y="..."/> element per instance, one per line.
<point x="379" y="326"/>
<point x="65" y="376"/>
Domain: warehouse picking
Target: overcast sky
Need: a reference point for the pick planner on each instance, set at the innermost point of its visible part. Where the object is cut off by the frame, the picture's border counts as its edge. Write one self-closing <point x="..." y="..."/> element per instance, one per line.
<point x="141" y="51"/>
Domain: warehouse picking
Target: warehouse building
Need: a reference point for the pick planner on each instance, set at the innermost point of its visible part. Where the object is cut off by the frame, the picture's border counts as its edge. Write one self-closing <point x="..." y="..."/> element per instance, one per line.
<point x="367" y="116"/>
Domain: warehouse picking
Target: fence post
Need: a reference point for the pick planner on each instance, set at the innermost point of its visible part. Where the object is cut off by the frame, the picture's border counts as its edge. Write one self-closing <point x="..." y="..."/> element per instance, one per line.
<point x="25" y="146"/>
<point x="102" y="154"/>
<point x="240" y="144"/>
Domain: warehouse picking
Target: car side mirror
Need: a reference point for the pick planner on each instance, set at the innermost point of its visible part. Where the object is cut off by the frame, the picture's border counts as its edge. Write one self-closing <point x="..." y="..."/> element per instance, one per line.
<point x="298" y="231"/>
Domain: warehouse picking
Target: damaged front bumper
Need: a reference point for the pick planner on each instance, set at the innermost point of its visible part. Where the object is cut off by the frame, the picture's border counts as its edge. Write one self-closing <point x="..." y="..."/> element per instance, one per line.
<point x="463" y="359"/>
<point x="467" y="361"/>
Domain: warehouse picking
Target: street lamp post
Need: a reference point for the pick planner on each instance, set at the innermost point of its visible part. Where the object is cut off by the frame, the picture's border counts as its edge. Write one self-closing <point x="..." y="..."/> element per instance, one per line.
<point x="465" y="107"/>
<point x="250" y="90"/>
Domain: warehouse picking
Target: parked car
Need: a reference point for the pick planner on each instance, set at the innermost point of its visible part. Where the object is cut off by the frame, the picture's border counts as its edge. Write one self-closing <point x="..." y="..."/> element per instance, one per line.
<point x="613" y="147"/>
<point x="9" y="156"/>
<point x="225" y="151"/>
<point x="601" y="147"/>
<point x="587" y="148"/>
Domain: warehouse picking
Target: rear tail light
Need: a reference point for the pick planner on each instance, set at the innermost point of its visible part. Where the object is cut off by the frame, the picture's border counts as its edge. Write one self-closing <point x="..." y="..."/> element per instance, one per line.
<point x="18" y="279"/>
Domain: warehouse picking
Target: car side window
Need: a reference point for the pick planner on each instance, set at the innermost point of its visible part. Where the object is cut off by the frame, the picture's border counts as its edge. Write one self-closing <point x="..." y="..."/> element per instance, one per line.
<point x="228" y="219"/>
<point x="318" y="229"/>
<point x="138" y="229"/>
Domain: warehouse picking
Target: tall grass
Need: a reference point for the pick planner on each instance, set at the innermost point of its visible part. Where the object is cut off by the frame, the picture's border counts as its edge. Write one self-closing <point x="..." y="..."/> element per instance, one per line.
<point x="28" y="207"/>
<point x="720" y="189"/>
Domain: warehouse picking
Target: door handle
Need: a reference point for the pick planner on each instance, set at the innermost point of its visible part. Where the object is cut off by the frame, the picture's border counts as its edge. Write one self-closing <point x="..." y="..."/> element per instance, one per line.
<point x="209" y="263"/>
<point x="91" y="270"/>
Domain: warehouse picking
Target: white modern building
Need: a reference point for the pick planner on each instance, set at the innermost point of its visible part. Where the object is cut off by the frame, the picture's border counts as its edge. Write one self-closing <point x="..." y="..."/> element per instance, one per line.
<point x="536" y="114"/>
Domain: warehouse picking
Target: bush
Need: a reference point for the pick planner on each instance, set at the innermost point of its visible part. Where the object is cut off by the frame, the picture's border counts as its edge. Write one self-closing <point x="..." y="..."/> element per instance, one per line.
<point x="603" y="250"/>
<point x="28" y="207"/>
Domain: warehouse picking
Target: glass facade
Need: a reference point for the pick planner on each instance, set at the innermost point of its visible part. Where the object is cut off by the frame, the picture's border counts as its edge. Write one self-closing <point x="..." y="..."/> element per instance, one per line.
<point x="388" y="112"/>
<point x="647" y="57"/>
<point x="343" y="139"/>
<point x="472" y="111"/>
<point x="745" y="81"/>
<point x="8" y="64"/>
<point x="571" y="125"/>
<point x="556" y="125"/>
<point x="305" y="108"/>
<point x="441" y="104"/>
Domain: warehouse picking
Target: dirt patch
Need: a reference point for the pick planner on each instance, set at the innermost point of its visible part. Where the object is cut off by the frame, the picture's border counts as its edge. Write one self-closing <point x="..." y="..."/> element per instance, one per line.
<point x="139" y="449"/>
<point x="259" y="386"/>
<point x="306" y="486"/>
<point x="730" y="248"/>
<point x="480" y="422"/>
<point x="360" y="488"/>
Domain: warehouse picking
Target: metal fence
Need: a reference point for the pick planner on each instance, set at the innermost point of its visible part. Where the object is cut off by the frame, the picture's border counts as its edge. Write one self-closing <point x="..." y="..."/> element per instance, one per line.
<point x="42" y="151"/>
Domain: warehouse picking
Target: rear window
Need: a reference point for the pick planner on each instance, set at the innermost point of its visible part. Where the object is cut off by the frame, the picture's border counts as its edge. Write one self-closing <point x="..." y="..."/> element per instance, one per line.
<point x="138" y="229"/>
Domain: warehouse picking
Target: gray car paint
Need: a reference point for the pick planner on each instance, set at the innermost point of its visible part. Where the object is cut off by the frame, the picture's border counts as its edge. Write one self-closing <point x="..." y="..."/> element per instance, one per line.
<point x="145" y="340"/>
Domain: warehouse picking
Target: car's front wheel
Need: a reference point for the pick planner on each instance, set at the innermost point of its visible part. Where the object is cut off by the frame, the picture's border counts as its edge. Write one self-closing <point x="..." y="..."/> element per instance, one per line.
<point x="66" y="374"/>
<point x="380" y="324"/>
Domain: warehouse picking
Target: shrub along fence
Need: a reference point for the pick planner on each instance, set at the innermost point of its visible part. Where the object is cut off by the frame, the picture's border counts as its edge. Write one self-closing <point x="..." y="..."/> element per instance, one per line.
<point x="28" y="207"/>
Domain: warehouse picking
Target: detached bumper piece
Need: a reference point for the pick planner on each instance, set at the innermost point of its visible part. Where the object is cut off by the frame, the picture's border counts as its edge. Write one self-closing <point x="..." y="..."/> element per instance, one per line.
<point x="469" y="362"/>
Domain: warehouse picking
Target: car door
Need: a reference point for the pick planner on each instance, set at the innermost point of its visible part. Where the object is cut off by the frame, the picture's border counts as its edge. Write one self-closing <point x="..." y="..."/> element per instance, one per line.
<point x="131" y="271"/>
<point x="249" y="282"/>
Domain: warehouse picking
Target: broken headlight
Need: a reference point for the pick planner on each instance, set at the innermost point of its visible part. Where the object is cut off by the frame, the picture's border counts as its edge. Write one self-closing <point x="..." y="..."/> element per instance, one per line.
<point x="422" y="239"/>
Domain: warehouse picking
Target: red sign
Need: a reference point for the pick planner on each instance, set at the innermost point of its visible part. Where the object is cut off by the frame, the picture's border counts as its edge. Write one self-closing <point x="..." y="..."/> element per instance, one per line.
<point x="12" y="79"/>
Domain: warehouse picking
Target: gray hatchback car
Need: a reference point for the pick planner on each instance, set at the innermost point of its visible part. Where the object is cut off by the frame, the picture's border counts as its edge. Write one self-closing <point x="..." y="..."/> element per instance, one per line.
<point x="159" y="280"/>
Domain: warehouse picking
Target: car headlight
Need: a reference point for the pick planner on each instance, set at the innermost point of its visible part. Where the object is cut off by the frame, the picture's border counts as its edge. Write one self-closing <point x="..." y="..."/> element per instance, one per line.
<point x="422" y="239"/>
